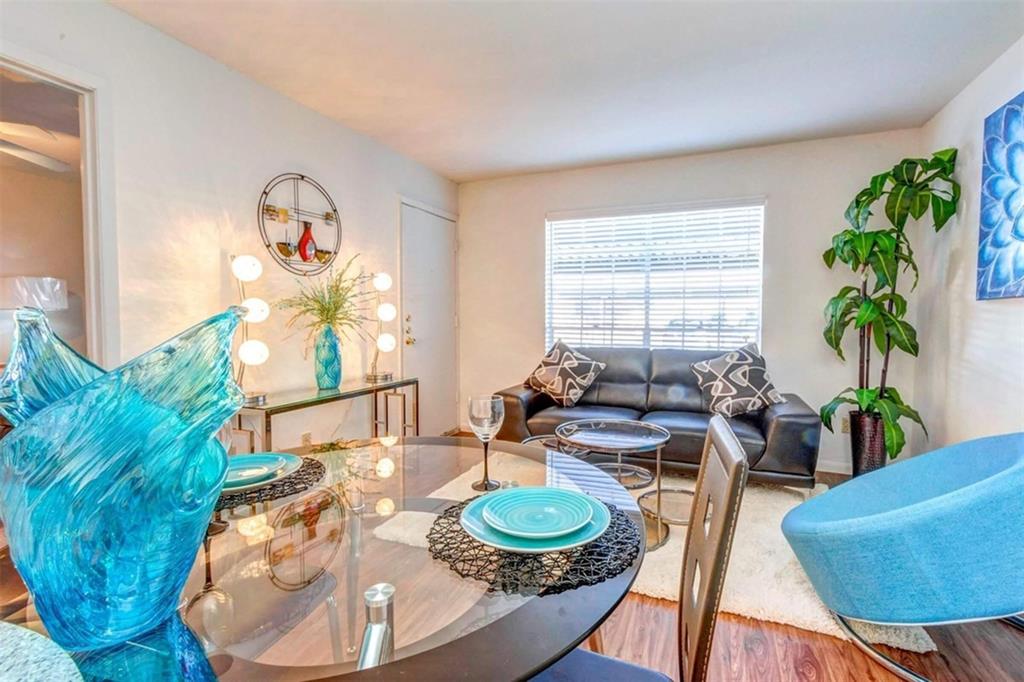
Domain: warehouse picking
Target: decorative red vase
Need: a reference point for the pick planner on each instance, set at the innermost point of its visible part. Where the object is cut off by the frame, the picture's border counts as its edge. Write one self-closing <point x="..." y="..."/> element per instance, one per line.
<point x="307" y="245"/>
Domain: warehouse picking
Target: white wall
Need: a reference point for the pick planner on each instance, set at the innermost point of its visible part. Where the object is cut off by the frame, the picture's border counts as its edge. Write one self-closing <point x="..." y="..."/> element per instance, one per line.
<point x="807" y="186"/>
<point x="970" y="377"/>
<point x="194" y="144"/>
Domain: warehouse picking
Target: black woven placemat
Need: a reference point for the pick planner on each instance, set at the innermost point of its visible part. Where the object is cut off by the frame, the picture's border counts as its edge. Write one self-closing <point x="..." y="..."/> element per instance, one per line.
<point x="610" y="554"/>
<point x="307" y="475"/>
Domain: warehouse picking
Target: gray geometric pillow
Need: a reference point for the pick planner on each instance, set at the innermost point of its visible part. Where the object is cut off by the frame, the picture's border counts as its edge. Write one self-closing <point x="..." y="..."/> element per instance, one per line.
<point x="564" y="374"/>
<point x="736" y="382"/>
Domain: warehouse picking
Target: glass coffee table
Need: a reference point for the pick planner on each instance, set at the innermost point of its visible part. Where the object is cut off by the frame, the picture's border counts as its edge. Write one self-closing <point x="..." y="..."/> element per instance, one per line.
<point x="628" y="437"/>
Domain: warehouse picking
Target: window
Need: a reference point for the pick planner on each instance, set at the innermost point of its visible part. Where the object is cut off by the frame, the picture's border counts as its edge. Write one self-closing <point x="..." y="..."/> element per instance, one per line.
<point x="682" y="278"/>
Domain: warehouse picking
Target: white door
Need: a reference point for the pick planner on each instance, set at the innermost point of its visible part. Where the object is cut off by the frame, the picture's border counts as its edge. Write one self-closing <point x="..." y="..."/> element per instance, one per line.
<point x="428" y="316"/>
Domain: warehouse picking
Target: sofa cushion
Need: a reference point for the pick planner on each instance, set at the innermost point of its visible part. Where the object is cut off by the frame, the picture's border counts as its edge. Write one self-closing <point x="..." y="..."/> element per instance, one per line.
<point x="673" y="384"/>
<point x="545" y="421"/>
<point x="736" y="382"/>
<point x="564" y="374"/>
<point x="689" y="430"/>
<point x="623" y="383"/>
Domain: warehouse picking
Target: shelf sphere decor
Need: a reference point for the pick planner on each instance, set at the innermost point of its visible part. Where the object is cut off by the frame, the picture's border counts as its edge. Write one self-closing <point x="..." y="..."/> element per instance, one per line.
<point x="108" y="480"/>
<point x="299" y="224"/>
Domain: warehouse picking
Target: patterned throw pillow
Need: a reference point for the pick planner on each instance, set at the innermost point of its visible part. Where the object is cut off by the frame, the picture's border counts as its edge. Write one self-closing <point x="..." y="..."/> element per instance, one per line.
<point x="564" y="374"/>
<point x="736" y="382"/>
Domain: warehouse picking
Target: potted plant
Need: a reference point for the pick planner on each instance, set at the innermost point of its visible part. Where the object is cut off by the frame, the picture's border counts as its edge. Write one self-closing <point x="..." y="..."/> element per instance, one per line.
<point x="874" y="307"/>
<point x="329" y="308"/>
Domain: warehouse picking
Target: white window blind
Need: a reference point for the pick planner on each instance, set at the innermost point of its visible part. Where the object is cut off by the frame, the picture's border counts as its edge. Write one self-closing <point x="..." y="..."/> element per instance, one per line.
<point x="672" y="279"/>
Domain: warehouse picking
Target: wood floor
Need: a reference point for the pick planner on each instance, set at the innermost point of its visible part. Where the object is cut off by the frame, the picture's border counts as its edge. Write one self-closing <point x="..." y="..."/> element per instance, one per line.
<point x="643" y="630"/>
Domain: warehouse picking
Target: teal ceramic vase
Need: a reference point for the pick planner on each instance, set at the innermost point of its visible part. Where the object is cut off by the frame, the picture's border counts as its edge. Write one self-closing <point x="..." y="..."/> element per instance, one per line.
<point x="108" y="479"/>
<point x="328" y="359"/>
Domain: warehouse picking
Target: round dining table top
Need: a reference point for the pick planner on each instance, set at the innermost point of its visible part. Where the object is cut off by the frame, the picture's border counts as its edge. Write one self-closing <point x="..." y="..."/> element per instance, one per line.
<point x="281" y="593"/>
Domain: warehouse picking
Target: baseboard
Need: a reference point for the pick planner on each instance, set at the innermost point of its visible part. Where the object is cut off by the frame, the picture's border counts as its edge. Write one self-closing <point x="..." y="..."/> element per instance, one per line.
<point x="834" y="466"/>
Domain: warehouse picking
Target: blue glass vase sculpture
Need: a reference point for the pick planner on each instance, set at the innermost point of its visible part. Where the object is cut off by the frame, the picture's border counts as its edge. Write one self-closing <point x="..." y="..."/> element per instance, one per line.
<point x="328" y="359"/>
<point x="106" y="491"/>
<point x="169" y="653"/>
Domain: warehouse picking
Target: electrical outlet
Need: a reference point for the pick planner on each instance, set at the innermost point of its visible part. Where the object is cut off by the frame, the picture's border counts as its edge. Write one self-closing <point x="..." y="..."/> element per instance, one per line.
<point x="307" y="438"/>
<point x="845" y="424"/>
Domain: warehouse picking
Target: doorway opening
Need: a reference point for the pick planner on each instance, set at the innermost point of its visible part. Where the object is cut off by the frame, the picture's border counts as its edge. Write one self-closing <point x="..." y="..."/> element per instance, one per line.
<point x="43" y="261"/>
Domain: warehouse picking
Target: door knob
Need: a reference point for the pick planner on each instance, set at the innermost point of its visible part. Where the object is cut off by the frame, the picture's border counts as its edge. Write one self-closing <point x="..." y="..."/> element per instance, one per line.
<point x="409" y="341"/>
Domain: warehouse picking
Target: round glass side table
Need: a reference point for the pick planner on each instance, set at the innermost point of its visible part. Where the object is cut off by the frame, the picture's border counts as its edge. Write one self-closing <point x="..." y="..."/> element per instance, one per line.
<point x="665" y="506"/>
<point x="552" y="443"/>
<point x="626" y="437"/>
<point x="616" y="437"/>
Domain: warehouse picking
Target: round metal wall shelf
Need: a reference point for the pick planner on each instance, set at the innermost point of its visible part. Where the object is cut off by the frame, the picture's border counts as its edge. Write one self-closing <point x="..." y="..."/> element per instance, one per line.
<point x="288" y="203"/>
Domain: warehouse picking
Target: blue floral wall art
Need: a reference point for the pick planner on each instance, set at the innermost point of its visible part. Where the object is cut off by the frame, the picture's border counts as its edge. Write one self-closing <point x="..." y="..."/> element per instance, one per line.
<point x="1001" y="237"/>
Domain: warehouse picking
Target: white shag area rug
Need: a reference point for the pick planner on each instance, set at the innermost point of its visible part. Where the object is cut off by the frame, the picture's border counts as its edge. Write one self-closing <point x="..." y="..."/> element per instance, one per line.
<point x="764" y="580"/>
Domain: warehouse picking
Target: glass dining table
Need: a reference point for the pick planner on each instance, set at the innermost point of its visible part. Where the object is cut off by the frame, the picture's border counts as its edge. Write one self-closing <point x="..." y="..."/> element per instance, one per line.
<point x="297" y="588"/>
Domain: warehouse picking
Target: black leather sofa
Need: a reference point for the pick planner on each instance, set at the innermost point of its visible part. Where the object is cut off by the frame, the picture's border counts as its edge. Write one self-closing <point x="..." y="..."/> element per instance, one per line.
<point x="657" y="386"/>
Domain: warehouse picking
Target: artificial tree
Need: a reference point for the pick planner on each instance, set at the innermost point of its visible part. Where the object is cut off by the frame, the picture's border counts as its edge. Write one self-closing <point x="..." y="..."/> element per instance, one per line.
<point x="874" y="308"/>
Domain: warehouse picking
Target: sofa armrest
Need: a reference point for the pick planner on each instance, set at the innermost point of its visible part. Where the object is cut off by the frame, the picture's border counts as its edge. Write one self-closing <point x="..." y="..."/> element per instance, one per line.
<point x="521" y="403"/>
<point x="792" y="431"/>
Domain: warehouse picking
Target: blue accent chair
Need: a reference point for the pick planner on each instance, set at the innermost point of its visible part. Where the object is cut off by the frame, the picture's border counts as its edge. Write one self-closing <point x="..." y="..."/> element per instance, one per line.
<point x="932" y="540"/>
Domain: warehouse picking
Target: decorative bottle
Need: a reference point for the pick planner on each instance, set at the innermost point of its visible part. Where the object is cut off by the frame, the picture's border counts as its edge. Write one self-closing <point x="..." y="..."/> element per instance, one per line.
<point x="307" y="245"/>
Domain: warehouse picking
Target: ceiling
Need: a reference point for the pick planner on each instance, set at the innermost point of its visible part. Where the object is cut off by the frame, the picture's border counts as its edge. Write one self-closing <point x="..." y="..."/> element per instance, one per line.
<point x="38" y="126"/>
<point x="480" y="89"/>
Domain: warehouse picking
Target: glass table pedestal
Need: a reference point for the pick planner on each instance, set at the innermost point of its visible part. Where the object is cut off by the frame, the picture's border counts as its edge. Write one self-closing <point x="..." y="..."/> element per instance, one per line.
<point x="663" y="507"/>
<point x="629" y="476"/>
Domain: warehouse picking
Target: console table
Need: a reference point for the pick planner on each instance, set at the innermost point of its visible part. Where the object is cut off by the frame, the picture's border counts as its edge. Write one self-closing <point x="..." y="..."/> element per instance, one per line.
<point x="299" y="399"/>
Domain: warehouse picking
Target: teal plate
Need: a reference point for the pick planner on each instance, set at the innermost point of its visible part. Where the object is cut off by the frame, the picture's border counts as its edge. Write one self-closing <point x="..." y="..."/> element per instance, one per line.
<point x="249" y="471"/>
<point x="537" y="512"/>
<point x="472" y="521"/>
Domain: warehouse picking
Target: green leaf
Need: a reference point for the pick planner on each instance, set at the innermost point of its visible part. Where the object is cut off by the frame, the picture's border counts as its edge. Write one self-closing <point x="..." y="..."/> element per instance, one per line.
<point x="942" y="210"/>
<point x="945" y="159"/>
<point x="838" y="317"/>
<point x="841" y="245"/>
<point x="846" y="291"/>
<point x="868" y="312"/>
<point x="892" y="394"/>
<point x="897" y="206"/>
<point x="828" y="410"/>
<point x="862" y="243"/>
<point x="899" y="304"/>
<point x="895" y="438"/>
<point x="905" y="172"/>
<point x="878" y="183"/>
<point x="919" y="203"/>
<point x="866" y="398"/>
<point x="857" y="214"/>
<point x="879" y="334"/>
<point x="886" y="242"/>
<point x="829" y="257"/>
<point x="885" y="269"/>
<point x="902" y="334"/>
<point x="912" y="414"/>
<point x="906" y="255"/>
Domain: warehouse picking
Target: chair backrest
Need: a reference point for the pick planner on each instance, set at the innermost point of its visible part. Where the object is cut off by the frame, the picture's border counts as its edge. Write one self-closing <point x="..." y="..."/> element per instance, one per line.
<point x="713" y="515"/>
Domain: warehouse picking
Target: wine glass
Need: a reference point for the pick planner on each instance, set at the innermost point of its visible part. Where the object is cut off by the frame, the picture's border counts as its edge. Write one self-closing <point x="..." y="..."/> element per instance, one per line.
<point x="486" y="413"/>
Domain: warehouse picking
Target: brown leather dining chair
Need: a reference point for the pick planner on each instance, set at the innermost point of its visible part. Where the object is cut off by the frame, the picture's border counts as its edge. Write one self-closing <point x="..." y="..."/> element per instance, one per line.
<point x="713" y="514"/>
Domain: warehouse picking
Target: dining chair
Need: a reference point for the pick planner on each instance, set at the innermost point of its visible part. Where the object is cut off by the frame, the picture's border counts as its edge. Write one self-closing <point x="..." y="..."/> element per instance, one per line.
<point x="713" y="514"/>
